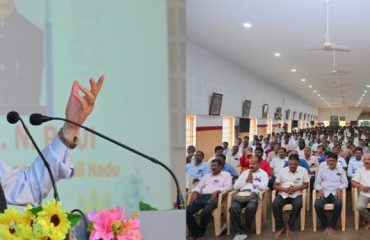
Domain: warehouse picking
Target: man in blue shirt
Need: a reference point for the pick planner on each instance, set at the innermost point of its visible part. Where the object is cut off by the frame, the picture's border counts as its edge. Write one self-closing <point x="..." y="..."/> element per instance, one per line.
<point x="329" y="183"/>
<point x="198" y="169"/>
<point x="227" y="167"/>
<point x="303" y="163"/>
<point x="355" y="162"/>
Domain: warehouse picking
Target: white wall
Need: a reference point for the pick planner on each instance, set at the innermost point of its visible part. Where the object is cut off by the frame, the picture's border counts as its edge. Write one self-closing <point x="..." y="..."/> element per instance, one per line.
<point x="351" y="114"/>
<point x="208" y="73"/>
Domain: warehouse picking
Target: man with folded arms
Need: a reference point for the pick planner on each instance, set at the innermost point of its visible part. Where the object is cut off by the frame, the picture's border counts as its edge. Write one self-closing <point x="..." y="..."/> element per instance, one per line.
<point x="249" y="184"/>
<point x="290" y="183"/>
<point x="330" y="182"/>
<point x="205" y="196"/>
<point x="361" y="180"/>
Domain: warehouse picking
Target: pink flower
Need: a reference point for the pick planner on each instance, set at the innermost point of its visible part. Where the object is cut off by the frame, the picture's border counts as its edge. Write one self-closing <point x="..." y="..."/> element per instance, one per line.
<point x="111" y="224"/>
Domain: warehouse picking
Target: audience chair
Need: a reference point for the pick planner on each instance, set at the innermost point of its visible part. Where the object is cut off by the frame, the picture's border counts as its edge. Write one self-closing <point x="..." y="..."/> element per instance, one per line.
<point x="221" y="203"/>
<point x="354" y="204"/>
<point x="258" y="216"/>
<point x="329" y="207"/>
<point x="289" y="207"/>
<point x="308" y="197"/>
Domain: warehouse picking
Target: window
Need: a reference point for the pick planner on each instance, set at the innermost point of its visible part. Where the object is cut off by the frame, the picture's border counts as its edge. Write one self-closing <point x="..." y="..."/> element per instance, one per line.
<point x="190" y="130"/>
<point x="228" y="130"/>
<point x="253" y="127"/>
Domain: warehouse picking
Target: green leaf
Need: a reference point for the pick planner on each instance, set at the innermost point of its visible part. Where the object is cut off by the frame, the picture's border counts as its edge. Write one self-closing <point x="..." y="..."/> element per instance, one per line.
<point x="36" y="210"/>
<point x="146" y="207"/>
<point x="73" y="218"/>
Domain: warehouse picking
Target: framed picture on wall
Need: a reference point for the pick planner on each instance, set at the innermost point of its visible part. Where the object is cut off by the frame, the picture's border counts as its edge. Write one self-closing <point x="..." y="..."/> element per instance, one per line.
<point x="287" y="114"/>
<point x="246" y="108"/>
<point x="278" y="115"/>
<point x="334" y="118"/>
<point x="265" y="110"/>
<point x="216" y="102"/>
<point x="342" y="118"/>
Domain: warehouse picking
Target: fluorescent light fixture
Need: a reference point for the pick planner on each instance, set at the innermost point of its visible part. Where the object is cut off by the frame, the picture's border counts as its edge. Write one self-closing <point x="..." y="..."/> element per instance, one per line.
<point x="247" y="25"/>
<point x="318" y="95"/>
<point x="315" y="91"/>
<point x="368" y="86"/>
<point x="365" y="91"/>
<point x="303" y="79"/>
<point x="277" y="54"/>
<point x="310" y="86"/>
<point x="363" y="95"/>
<point x="294" y="70"/>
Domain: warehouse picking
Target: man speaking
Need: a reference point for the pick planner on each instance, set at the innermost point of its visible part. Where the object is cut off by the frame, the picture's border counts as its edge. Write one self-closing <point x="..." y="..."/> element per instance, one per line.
<point x="31" y="185"/>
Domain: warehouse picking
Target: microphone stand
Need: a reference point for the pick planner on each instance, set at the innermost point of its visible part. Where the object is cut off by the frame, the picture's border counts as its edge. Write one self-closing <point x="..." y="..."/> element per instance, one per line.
<point x="179" y="198"/>
<point x="46" y="163"/>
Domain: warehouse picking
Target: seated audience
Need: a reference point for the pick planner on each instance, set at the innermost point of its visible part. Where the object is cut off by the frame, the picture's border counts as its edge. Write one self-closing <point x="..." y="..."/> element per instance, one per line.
<point x="361" y="181"/>
<point x="290" y="183"/>
<point x="248" y="185"/>
<point x="329" y="183"/>
<point x="205" y="196"/>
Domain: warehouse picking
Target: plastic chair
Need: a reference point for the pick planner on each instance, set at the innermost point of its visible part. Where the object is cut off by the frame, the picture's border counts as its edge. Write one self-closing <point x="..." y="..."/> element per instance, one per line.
<point x="289" y="207"/>
<point x="329" y="207"/>
<point x="258" y="216"/>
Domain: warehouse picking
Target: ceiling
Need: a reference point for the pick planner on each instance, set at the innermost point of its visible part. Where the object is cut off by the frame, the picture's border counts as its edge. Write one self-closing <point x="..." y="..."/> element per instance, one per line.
<point x="289" y="27"/>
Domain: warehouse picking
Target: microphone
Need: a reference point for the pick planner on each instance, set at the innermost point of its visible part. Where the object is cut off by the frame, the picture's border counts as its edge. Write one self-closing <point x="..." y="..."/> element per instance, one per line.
<point x="38" y="119"/>
<point x="13" y="117"/>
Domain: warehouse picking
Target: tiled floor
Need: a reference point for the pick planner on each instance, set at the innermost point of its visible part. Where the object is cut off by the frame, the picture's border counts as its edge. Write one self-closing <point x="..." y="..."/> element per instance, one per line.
<point x="349" y="234"/>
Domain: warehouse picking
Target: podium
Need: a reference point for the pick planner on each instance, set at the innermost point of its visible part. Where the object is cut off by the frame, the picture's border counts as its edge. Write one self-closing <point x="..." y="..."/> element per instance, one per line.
<point x="163" y="225"/>
<point x="154" y="225"/>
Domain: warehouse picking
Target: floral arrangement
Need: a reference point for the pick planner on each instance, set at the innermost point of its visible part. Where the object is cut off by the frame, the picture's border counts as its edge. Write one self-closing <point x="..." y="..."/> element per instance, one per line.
<point x="50" y="222"/>
<point x="44" y="222"/>
<point x="112" y="225"/>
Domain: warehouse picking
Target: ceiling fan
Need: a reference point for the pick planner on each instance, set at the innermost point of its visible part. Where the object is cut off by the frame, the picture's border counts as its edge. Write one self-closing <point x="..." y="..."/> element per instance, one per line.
<point x="327" y="45"/>
<point x="335" y="70"/>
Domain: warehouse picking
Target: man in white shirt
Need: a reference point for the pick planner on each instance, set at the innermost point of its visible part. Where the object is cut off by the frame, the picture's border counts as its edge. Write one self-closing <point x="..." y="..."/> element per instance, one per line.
<point x="290" y="183"/>
<point x="274" y="153"/>
<point x="276" y="165"/>
<point x="226" y="148"/>
<point x="205" y="196"/>
<point x="248" y="185"/>
<point x="190" y="152"/>
<point x="330" y="182"/>
<point x="234" y="157"/>
<point x="361" y="180"/>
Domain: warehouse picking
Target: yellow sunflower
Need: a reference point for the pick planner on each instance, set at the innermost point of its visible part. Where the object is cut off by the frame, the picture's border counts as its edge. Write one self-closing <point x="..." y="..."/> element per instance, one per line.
<point x="10" y="217"/>
<point x="27" y="217"/>
<point x="25" y="232"/>
<point x="53" y="216"/>
<point x="7" y="233"/>
<point x="46" y="231"/>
